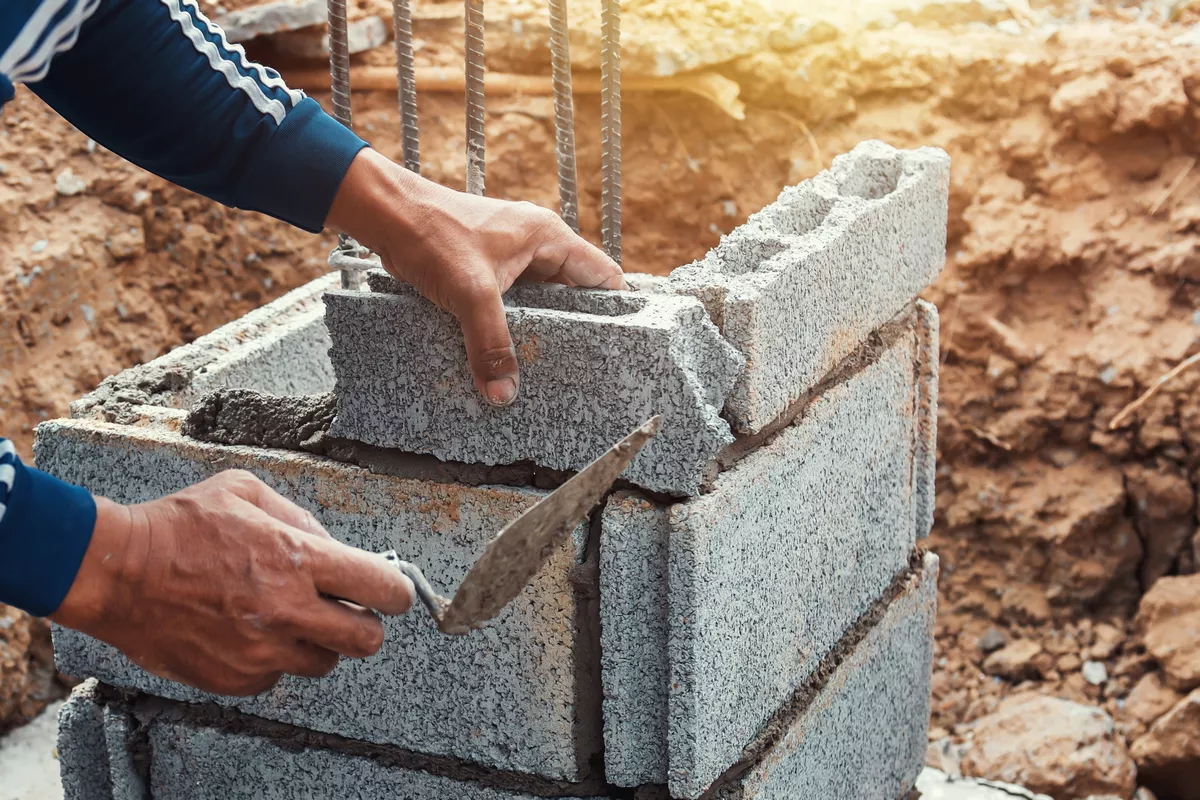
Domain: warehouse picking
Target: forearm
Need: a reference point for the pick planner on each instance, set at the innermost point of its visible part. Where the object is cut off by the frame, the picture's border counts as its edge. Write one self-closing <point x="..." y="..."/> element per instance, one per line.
<point x="157" y="83"/>
<point x="45" y="529"/>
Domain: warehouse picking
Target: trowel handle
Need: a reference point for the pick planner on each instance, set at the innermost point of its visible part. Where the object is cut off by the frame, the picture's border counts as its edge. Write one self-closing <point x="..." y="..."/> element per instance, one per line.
<point x="432" y="600"/>
<point x="425" y="593"/>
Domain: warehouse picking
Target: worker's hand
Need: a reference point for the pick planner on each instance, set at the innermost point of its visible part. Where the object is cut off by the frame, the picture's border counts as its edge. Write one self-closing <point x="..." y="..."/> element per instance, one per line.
<point x="219" y="586"/>
<point x="462" y="252"/>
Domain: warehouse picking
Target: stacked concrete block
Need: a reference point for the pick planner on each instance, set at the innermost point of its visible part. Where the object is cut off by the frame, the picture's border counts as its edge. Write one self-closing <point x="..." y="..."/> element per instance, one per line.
<point x="594" y="366"/>
<point x="747" y="615"/>
<point x="509" y="696"/>
<point x="801" y="284"/>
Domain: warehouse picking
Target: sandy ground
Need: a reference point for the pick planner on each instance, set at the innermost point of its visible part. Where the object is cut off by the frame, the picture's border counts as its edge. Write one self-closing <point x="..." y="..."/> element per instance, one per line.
<point x="28" y="762"/>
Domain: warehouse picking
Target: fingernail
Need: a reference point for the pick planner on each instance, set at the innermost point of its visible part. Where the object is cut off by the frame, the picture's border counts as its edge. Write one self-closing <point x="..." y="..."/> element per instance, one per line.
<point x="501" y="391"/>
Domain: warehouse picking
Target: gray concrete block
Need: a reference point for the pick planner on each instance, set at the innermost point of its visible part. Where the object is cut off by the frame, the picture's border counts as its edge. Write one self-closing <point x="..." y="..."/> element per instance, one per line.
<point x="120" y="741"/>
<point x="82" y="750"/>
<point x="805" y="280"/>
<point x="928" y="363"/>
<point x="634" y="617"/>
<point x="764" y="575"/>
<point x="195" y="763"/>
<point x="281" y="348"/>
<point x="594" y="365"/>
<point x="268" y="18"/>
<point x="863" y="733"/>
<point x="508" y="696"/>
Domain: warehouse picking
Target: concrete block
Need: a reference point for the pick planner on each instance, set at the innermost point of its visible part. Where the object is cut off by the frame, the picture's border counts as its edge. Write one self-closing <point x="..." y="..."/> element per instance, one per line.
<point x="82" y="749"/>
<point x="268" y="18"/>
<point x="928" y="362"/>
<point x="195" y="763"/>
<point x="281" y="348"/>
<point x="512" y="696"/>
<point x="863" y="732"/>
<point x="361" y="35"/>
<point x="120" y="740"/>
<point x="763" y="576"/>
<point x="805" y="280"/>
<point x="594" y="365"/>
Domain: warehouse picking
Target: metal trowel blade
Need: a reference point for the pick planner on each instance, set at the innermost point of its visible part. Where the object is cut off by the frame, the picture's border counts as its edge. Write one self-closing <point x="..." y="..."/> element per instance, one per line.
<point x="525" y="544"/>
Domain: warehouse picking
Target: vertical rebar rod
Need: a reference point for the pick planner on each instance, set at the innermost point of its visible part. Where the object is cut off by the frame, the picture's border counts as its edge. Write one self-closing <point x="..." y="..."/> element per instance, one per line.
<point x="610" y="121"/>
<point x="407" y="84"/>
<point x="339" y="72"/>
<point x="564" y="114"/>
<point x="474" y="87"/>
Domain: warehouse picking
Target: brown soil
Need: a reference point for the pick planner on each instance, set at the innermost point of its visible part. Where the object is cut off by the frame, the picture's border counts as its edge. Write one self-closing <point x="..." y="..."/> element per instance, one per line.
<point x="1072" y="277"/>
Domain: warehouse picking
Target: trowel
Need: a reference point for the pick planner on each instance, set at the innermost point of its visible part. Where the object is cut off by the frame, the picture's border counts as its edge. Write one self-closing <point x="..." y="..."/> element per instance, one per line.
<point x="525" y="544"/>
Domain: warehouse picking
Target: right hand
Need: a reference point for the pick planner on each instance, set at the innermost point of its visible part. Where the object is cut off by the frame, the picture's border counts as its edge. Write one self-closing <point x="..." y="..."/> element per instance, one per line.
<point x="220" y="587"/>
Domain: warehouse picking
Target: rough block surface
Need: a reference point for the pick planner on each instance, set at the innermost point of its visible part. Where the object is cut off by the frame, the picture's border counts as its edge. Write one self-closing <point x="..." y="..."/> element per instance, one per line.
<point x="864" y="732"/>
<point x="507" y="696"/>
<point x="925" y="472"/>
<point x="806" y="279"/>
<point x="82" y="749"/>
<point x="764" y="576"/>
<point x="280" y="348"/>
<point x="594" y="366"/>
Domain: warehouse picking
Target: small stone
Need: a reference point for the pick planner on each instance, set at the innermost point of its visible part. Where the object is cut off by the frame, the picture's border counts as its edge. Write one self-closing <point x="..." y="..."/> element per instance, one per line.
<point x="68" y="183"/>
<point x="1168" y="755"/>
<point x="1068" y="663"/>
<point x="1094" y="672"/>
<point x="1014" y="661"/>
<point x="1049" y="745"/>
<point x="1144" y="794"/>
<point x="1169" y="620"/>
<point x="992" y="640"/>
<point x="1150" y="698"/>
<point x="1025" y="604"/>
<point x="1106" y="639"/>
<point x="39" y="246"/>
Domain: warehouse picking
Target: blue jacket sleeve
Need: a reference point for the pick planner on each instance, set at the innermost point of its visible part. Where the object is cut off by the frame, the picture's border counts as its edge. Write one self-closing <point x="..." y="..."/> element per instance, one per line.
<point x="45" y="528"/>
<point x="157" y="83"/>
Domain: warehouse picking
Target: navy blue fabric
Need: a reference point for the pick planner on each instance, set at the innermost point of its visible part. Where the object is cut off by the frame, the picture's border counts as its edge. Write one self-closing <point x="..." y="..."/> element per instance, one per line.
<point x="156" y="83"/>
<point x="45" y="529"/>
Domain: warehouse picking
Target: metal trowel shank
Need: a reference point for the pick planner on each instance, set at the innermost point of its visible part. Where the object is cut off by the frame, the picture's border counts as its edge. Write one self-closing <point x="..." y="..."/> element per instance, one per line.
<point x="519" y="551"/>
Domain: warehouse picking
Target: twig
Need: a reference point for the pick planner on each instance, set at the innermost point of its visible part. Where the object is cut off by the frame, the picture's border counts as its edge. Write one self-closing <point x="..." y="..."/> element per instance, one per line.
<point x="812" y="140"/>
<point x="1174" y="185"/>
<point x="990" y="438"/>
<point x="1128" y="410"/>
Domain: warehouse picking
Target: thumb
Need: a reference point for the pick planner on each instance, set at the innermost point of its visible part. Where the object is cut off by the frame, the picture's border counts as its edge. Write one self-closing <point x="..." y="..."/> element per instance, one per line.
<point x="489" y="346"/>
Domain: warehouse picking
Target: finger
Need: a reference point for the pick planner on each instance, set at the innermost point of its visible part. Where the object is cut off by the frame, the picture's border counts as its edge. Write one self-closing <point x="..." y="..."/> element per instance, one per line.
<point x="254" y="491"/>
<point x="563" y="254"/>
<point x="489" y="346"/>
<point x="311" y="661"/>
<point x="340" y="628"/>
<point x="360" y="577"/>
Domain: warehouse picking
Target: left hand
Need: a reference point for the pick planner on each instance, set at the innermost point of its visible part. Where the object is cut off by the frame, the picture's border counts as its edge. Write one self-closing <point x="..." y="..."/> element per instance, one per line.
<point x="463" y="252"/>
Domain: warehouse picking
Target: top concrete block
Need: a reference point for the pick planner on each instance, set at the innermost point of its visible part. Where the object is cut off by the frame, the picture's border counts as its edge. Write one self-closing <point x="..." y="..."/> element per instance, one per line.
<point x="594" y="365"/>
<point x="807" y="278"/>
<point x="280" y="348"/>
<point x="268" y="18"/>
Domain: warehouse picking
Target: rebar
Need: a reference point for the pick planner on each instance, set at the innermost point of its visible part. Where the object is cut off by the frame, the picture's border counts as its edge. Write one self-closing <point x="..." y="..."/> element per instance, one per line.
<point x="406" y="83"/>
<point x="474" y="87"/>
<point x="564" y="114"/>
<point x="610" y="133"/>
<point x="339" y="72"/>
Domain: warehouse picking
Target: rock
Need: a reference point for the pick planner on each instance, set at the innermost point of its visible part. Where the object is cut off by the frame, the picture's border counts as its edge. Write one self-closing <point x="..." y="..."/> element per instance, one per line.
<point x="1025" y="604"/>
<point x="1169" y="621"/>
<point x="1162" y="509"/>
<point x="1105" y="641"/>
<point x="1049" y="745"/>
<point x="285" y="15"/>
<point x="992" y="640"/>
<point x="1087" y="104"/>
<point x="934" y="784"/>
<point x="361" y="35"/>
<point x="1150" y="699"/>
<point x="1014" y="661"/>
<point x="1095" y="673"/>
<point x="1068" y="663"/>
<point x="1168" y="755"/>
<point x="69" y="184"/>
<point x="1144" y="794"/>
<point x="27" y="676"/>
